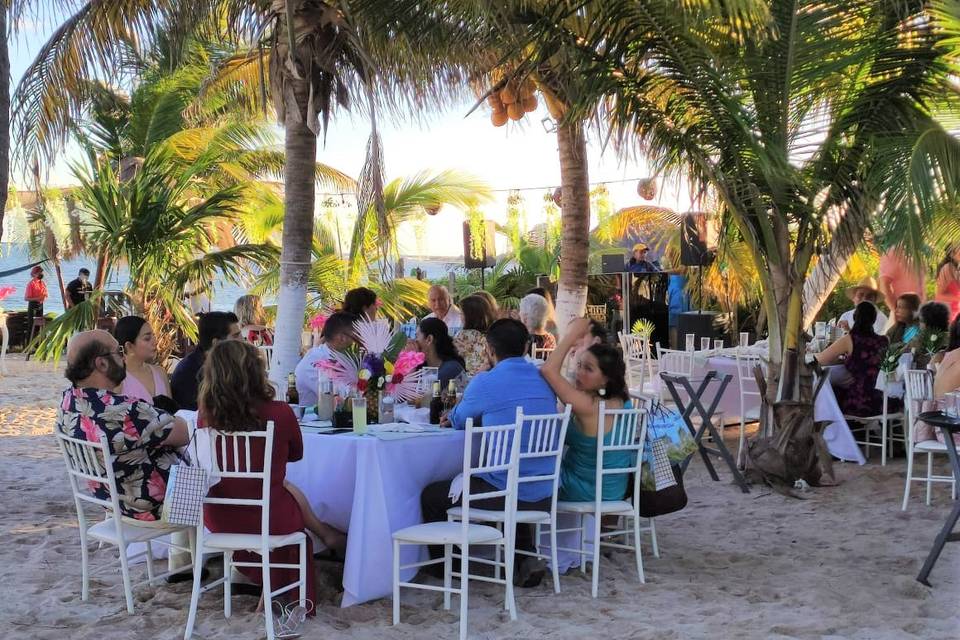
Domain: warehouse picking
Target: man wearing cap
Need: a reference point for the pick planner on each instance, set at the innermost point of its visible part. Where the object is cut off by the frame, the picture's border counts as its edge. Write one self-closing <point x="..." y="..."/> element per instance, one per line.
<point x="35" y="294"/>
<point x="865" y="290"/>
<point x="639" y="262"/>
<point x="80" y="289"/>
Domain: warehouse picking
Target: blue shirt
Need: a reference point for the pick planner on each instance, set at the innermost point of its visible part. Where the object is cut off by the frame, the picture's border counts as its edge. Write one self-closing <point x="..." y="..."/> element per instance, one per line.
<point x="493" y="397"/>
<point x="185" y="381"/>
<point x="678" y="300"/>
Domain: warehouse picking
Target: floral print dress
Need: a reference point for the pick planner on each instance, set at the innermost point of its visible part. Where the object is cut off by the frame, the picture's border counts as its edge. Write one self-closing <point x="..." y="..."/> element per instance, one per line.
<point x="135" y="431"/>
<point x="471" y="345"/>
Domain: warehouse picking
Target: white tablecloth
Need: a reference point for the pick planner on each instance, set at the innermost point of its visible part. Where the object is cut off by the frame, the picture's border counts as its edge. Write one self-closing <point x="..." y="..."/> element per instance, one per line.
<point x="371" y="488"/>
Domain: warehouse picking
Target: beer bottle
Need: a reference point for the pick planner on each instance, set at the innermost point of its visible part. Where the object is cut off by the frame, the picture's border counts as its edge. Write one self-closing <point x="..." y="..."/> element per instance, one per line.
<point x="436" y="404"/>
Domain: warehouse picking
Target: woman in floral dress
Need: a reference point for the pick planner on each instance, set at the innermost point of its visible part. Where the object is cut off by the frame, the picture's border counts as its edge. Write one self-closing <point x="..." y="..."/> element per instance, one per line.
<point x="471" y="342"/>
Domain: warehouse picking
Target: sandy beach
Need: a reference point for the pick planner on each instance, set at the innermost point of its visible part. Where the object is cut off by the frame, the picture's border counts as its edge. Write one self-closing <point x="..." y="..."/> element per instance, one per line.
<point x="840" y="564"/>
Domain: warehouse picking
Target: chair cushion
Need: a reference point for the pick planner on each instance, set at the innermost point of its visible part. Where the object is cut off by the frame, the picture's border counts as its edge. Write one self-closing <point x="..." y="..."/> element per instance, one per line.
<point x="931" y="446"/>
<point x="485" y="515"/>
<point x="447" y="533"/>
<point x="106" y="530"/>
<point x="607" y="506"/>
<point x="249" y="541"/>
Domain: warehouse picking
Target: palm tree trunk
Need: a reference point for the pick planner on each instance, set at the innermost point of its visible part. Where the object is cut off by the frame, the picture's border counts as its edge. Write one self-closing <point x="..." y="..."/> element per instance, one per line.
<point x="575" y="220"/>
<point x="298" y="201"/>
<point x="4" y="113"/>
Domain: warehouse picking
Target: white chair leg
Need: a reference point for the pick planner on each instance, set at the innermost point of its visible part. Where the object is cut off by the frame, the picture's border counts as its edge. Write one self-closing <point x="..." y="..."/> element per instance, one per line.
<point x="597" y="518"/>
<point x="84" y="565"/>
<point x="464" y="588"/>
<point x="267" y="594"/>
<point x="583" y="544"/>
<point x="883" y="440"/>
<point x="125" y="571"/>
<point x="496" y="555"/>
<point x="303" y="573"/>
<point x="396" y="583"/>
<point x="149" y="559"/>
<point x="929" y="475"/>
<point x="195" y="593"/>
<point x="227" y="586"/>
<point x="906" y="486"/>
<point x="510" y="603"/>
<point x="636" y="549"/>
<point x="554" y="564"/>
<point x="447" y="574"/>
<point x="741" y="442"/>
<point x="653" y="538"/>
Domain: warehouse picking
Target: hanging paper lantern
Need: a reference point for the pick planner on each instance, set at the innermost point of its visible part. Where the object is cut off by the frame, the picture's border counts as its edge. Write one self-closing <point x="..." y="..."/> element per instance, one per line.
<point x="433" y="209"/>
<point x="647" y="188"/>
<point x="558" y="197"/>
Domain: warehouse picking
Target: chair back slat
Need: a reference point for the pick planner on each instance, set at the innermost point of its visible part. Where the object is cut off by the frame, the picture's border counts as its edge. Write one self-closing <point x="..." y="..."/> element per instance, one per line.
<point x="544" y="436"/>
<point x="628" y="434"/>
<point x="497" y="453"/>
<point x="674" y="361"/>
<point x="91" y="463"/>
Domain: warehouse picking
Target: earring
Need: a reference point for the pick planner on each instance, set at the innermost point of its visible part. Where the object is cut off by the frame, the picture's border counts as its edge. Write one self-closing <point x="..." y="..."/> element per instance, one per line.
<point x="602" y="392"/>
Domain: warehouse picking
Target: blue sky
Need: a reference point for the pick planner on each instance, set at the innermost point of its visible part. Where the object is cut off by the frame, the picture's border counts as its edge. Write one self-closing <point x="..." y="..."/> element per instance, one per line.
<point x="517" y="155"/>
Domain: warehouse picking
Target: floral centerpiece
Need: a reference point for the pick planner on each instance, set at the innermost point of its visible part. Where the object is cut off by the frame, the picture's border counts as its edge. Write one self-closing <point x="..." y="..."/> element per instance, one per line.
<point x="377" y="365"/>
<point x="891" y="359"/>
<point x="928" y="344"/>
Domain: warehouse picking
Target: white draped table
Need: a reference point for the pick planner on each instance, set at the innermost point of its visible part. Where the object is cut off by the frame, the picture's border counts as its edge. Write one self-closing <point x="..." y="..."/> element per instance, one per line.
<point x="370" y="488"/>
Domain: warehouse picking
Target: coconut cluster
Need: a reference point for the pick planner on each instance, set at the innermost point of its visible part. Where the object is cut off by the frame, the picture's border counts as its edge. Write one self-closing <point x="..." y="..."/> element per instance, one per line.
<point x="512" y="101"/>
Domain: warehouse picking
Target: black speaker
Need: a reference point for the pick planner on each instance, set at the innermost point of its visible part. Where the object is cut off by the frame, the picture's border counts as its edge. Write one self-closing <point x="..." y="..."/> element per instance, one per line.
<point x="484" y="255"/>
<point x="703" y="324"/>
<point x="693" y="241"/>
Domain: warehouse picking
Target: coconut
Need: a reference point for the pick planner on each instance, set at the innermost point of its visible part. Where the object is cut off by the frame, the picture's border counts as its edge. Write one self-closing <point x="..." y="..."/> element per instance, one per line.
<point x="499" y="118"/>
<point x="647" y="188"/>
<point x="528" y="88"/>
<point x="529" y="103"/>
<point x="515" y="111"/>
<point x="494" y="100"/>
<point x="508" y="95"/>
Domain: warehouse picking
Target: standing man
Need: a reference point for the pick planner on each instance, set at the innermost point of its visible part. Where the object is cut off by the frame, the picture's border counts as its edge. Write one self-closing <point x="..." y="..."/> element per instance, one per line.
<point x="640" y="262"/>
<point x="442" y="308"/>
<point x="79" y="289"/>
<point x="35" y="294"/>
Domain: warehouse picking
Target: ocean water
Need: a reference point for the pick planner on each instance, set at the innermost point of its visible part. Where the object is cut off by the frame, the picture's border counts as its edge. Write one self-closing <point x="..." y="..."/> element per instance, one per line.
<point x="225" y="293"/>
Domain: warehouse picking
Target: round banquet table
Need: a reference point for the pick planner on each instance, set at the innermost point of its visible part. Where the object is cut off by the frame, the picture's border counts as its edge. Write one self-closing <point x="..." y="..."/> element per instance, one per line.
<point x="370" y="487"/>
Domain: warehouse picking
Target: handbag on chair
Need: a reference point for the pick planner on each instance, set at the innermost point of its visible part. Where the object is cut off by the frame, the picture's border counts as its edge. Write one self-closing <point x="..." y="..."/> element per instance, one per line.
<point x="668" y="443"/>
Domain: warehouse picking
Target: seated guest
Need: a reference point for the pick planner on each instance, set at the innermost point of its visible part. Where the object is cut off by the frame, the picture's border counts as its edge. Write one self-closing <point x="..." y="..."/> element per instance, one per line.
<point x="601" y="376"/>
<point x="866" y="290"/>
<point x="337" y="335"/>
<point x="211" y="327"/>
<point x="361" y="302"/>
<point x="905" y="326"/>
<point x="934" y="320"/>
<point x="143" y="439"/>
<point x="551" y="324"/>
<point x="434" y="342"/>
<point x="253" y="320"/>
<point x="639" y="262"/>
<point x="442" y="307"/>
<point x="492" y="397"/>
<point x="533" y="314"/>
<point x="948" y="374"/>
<point x="236" y="397"/>
<point x="494" y="305"/>
<point x="861" y="353"/>
<point x="471" y="342"/>
<point x="144" y="380"/>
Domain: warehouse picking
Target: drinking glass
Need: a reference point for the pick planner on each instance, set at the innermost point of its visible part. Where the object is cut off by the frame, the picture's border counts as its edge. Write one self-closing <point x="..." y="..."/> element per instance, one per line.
<point x="691" y="342"/>
<point x="744" y="339"/>
<point x="704" y="344"/>
<point x="359" y="415"/>
<point x="951" y="402"/>
<point x="717" y="345"/>
<point x="820" y="329"/>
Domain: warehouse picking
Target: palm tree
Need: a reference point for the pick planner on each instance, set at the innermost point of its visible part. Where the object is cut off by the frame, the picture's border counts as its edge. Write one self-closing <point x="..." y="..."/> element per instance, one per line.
<point x="808" y="120"/>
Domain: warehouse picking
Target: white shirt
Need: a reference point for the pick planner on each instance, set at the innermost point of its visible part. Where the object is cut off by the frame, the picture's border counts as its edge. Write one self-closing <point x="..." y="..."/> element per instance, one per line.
<point x="879" y="326"/>
<point x="308" y="376"/>
<point x="453" y="319"/>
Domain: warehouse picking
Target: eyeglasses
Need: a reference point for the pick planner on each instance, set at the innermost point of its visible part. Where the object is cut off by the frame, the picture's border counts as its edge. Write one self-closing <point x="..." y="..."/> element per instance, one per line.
<point x="118" y="352"/>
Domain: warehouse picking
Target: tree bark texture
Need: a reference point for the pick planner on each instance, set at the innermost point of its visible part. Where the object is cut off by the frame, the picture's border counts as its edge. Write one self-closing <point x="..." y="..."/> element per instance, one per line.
<point x="4" y="113"/>
<point x="575" y="220"/>
<point x="298" y="201"/>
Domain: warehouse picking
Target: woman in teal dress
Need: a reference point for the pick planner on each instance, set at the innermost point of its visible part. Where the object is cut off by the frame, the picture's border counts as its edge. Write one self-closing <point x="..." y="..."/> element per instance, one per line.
<point x="600" y="376"/>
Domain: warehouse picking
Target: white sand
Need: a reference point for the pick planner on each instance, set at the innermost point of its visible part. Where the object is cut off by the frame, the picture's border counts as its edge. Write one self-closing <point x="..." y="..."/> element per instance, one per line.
<point x="839" y="565"/>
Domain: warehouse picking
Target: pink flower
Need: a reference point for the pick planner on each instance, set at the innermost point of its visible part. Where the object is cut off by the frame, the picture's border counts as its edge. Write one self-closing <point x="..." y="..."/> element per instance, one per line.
<point x="156" y="486"/>
<point x="129" y="430"/>
<point x="5" y="291"/>
<point x="90" y="428"/>
<point x="407" y="361"/>
<point x="317" y="321"/>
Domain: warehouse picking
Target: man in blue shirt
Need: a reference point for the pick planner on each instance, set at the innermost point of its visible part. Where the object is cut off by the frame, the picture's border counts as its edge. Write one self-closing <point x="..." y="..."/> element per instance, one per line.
<point x="492" y="397"/>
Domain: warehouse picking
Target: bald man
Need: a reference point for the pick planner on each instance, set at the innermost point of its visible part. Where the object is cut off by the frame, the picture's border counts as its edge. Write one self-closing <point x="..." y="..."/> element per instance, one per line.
<point x="142" y="439"/>
<point x="442" y="308"/>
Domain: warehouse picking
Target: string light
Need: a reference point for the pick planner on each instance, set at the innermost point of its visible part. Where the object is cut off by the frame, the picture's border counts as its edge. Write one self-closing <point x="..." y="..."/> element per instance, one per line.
<point x="550" y="187"/>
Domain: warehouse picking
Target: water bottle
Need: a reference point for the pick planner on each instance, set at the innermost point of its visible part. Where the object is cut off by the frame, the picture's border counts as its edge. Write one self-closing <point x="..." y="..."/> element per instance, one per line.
<point x="387" y="404"/>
